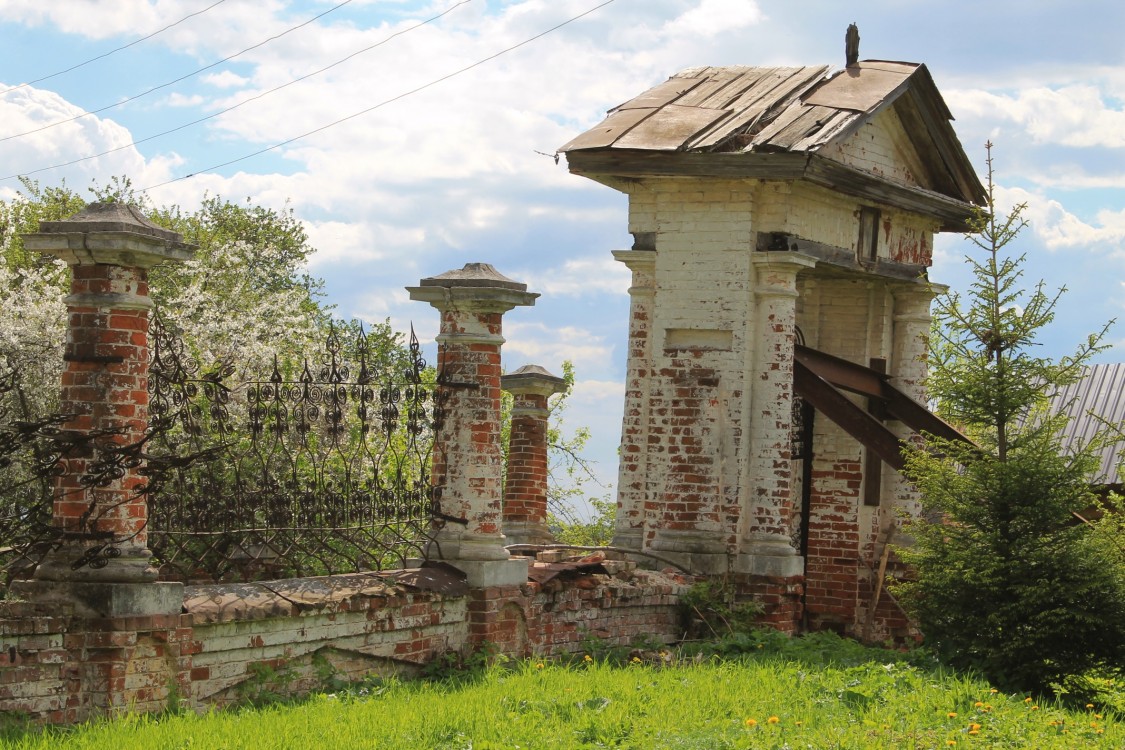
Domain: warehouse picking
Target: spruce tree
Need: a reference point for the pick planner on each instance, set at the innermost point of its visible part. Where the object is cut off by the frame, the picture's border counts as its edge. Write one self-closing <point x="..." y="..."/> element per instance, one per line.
<point x="1008" y="581"/>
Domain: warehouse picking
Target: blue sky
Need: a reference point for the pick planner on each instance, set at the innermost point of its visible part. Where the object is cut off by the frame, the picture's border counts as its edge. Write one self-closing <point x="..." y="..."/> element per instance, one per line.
<point x="450" y="174"/>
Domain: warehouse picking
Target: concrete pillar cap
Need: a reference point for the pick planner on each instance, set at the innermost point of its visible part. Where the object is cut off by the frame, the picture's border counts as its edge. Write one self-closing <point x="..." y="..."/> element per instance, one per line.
<point x="533" y="380"/>
<point x="476" y="287"/>
<point x="111" y="234"/>
<point x="474" y="275"/>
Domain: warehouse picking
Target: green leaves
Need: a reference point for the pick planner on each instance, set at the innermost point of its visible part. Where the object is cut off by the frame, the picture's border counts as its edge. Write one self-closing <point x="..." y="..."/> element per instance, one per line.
<point x="1007" y="581"/>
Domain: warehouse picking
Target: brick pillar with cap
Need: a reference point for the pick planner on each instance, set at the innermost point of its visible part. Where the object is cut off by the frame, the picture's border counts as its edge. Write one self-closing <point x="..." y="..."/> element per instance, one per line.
<point x="109" y="248"/>
<point x="101" y="573"/>
<point x="467" y="452"/>
<point x="525" y="485"/>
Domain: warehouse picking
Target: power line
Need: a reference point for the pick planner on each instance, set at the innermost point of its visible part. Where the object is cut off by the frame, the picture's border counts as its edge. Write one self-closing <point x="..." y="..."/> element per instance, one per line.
<point x="113" y="51"/>
<point x="385" y="102"/>
<point x="169" y="83"/>
<point x="239" y="104"/>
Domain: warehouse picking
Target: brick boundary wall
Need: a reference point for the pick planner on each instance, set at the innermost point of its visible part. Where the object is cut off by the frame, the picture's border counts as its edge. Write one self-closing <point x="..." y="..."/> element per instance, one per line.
<point x="56" y="666"/>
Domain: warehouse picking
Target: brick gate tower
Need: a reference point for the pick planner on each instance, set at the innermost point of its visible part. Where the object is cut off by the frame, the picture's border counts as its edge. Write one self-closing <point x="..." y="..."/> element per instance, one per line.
<point x="783" y="221"/>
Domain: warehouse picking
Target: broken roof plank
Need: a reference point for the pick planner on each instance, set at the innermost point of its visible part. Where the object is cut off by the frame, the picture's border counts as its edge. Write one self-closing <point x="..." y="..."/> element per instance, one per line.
<point x="839" y="120"/>
<point x="810" y="122"/>
<point x="735" y="84"/>
<point x="614" y="126"/>
<point x="668" y="130"/>
<point x="771" y="93"/>
<point x="661" y="94"/>
<point x="706" y="92"/>
<point x="861" y="87"/>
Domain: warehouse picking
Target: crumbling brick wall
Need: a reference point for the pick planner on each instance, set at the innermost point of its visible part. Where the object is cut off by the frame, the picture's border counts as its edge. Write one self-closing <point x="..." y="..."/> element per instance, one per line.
<point x="238" y="642"/>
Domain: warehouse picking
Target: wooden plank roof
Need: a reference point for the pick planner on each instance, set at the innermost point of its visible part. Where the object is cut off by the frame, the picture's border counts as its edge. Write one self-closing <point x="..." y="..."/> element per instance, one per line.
<point x="795" y="110"/>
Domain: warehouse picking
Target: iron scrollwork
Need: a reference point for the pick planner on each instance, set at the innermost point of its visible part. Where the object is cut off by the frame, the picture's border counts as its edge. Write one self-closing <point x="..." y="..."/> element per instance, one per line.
<point x="316" y="468"/>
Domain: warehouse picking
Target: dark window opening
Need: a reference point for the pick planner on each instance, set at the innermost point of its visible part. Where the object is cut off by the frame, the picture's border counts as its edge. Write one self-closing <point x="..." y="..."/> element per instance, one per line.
<point x="868" y="245"/>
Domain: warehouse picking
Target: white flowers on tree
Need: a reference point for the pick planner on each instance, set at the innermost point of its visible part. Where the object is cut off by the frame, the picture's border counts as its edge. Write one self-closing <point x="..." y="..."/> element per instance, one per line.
<point x="32" y="329"/>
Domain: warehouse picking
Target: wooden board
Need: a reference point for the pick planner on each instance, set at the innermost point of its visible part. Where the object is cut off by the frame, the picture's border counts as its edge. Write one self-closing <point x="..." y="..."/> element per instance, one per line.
<point x="611" y="128"/>
<point x="638" y="163"/>
<point x="668" y="129"/>
<point x="859" y="87"/>
<point x="658" y="96"/>
<point x="769" y="93"/>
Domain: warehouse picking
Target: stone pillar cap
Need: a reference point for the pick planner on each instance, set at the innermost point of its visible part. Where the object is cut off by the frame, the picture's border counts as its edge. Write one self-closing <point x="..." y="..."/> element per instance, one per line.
<point x="532" y="379"/>
<point x="474" y="275"/>
<point x="110" y="217"/>
<point x="477" y="286"/>
<point x="110" y="233"/>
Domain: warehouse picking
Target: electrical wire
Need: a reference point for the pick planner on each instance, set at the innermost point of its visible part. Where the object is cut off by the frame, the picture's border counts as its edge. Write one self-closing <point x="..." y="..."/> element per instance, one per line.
<point x="385" y="102"/>
<point x="239" y="104"/>
<point x="177" y="80"/>
<point x="113" y="51"/>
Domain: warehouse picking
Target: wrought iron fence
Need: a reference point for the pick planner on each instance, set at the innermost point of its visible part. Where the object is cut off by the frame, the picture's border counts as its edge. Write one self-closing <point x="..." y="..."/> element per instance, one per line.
<point x="315" y="468"/>
<point x="31" y="452"/>
<point x="323" y="470"/>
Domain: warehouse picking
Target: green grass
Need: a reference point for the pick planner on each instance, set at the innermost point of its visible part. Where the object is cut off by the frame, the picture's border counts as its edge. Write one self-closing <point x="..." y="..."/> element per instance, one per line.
<point x="814" y="693"/>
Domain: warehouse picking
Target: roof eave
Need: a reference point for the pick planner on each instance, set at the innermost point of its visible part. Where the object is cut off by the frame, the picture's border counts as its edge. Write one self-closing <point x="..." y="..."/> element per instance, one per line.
<point x="606" y="165"/>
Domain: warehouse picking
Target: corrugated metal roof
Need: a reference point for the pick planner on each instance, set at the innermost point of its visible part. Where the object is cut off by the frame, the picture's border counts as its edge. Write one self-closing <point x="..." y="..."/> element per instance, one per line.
<point x="1098" y="396"/>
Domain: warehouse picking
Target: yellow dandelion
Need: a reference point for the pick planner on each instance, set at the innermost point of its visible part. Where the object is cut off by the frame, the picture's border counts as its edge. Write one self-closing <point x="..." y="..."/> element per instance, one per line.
<point x="751" y="722"/>
<point x="1089" y="705"/>
<point x="978" y="704"/>
<point x="952" y="714"/>
<point x="1027" y="700"/>
<point x="1035" y="708"/>
<point x="1094" y="724"/>
<point x="974" y="727"/>
<point x="773" y="720"/>
<point x="987" y="707"/>
<point x="1100" y="731"/>
<point x="798" y="723"/>
<point x="951" y="743"/>
<point x="974" y="732"/>
<point x="587" y="657"/>
<point x="1097" y="716"/>
<point x="993" y="691"/>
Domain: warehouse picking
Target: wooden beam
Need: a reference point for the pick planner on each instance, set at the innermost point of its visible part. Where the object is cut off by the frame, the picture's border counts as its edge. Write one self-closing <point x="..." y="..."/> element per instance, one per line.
<point x="621" y="162"/>
<point x="872" y="468"/>
<point x="836" y="176"/>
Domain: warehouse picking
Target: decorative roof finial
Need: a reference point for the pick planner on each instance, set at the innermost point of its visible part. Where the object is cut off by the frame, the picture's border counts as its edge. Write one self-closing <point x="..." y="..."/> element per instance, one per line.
<point x="851" y="45"/>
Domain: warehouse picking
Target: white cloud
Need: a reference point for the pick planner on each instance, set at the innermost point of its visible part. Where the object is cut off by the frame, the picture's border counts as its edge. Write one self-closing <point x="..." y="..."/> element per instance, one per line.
<point x="580" y="277"/>
<point x="177" y="99"/>
<point x="1076" y="115"/>
<point x="28" y="110"/>
<point x="1058" y="228"/>
<point x="711" y="17"/>
<point x="599" y="392"/>
<point x="354" y="242"/>
<point x="224" y="80"/>
<point x="536" y="343"/>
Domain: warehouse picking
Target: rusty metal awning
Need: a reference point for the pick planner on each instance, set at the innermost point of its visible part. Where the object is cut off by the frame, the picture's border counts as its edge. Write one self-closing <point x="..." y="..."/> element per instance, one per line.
<point x="820" y="378"/>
